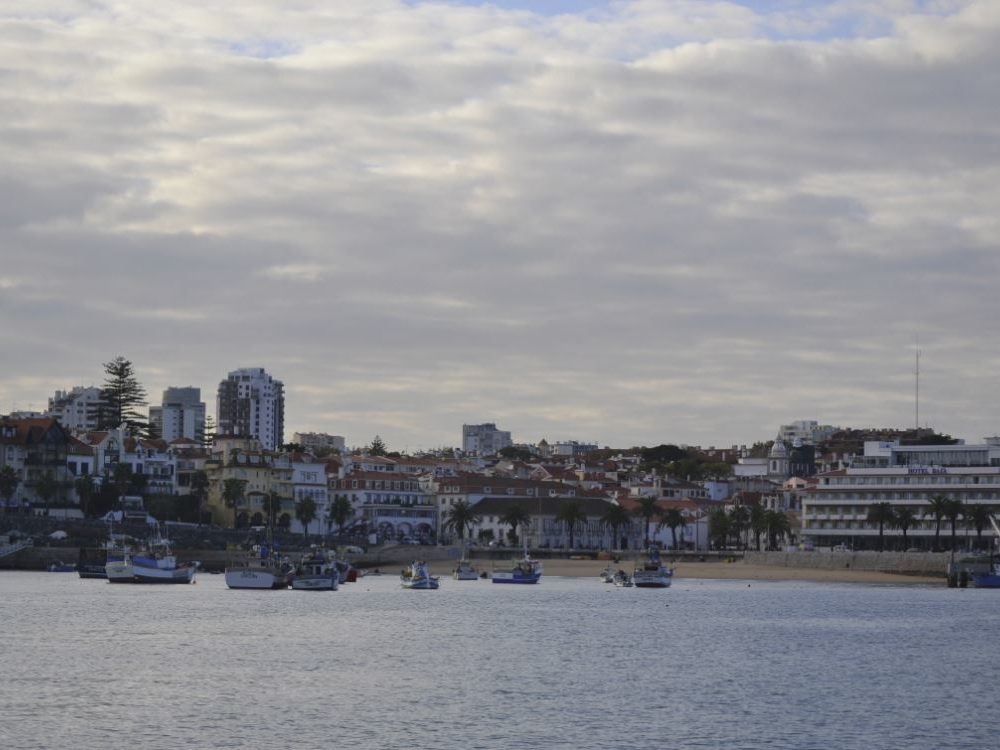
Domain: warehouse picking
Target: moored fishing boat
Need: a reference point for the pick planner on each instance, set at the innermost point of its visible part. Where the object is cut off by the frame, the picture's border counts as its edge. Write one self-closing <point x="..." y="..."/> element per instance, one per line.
<point x="525" y="570"/>
<point x="608" y="574"/>
<point x="990" y="579"/>
<point x="155" y="563"/>
<point x="415" y="576"/>
<point x="465" y="571"/>
<point x="263" y="569"/>
<point x="652" y="573"/>
<point x="316" y="571"/>
<point x="622" y="579"/>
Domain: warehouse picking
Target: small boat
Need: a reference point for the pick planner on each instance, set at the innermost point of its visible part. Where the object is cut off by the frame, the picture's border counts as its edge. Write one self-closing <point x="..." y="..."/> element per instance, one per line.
<point x="263" y="569"/>
<point x="60" y="567"/>
<point x="608" y="574"/>
<point x="652" y="573"/>
<point x="990" y="579"/>
<point x="525" y="570"/>
<point x="622" y="579"/>
<point x="465" y="571"/>
<point x="155" y="563"/>
<point x="415" y="576"/>
<point x="316" y="571"/>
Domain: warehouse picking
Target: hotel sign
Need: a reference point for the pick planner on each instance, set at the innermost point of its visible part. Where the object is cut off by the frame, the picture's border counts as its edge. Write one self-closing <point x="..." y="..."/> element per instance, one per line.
<point x="927" y="470"/>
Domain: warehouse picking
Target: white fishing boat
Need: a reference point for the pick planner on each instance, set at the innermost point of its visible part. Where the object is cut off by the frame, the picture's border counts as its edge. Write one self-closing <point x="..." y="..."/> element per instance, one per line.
<point x="263" y="569"/>
<point x="415" y="576"/>
<point x="464" y="569"/>
<point x="608" y="574"/>
<point x="317" y="571"/>
<point x="622" y="579"/>
<point x="652" y="573"/>
<point x="155" y="563"/>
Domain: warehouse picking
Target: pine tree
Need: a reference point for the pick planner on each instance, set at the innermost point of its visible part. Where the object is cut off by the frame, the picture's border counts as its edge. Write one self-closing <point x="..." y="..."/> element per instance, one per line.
<point x="121" y="398"/>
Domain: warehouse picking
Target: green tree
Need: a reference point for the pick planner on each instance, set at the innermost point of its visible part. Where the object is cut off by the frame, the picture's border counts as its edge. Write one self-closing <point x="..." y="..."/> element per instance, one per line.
<point x="305" y="512"/>
<point x="881" y="515"/>
<point x="672" y="518"/>
<point x="514" y="517"/>
<point x="341" y="509"/>
<point x="572" y="515"/>
<point x="739" y="524"/>
<point x="719" y="527"/>
<point x="615" y="517"/>
<point x="46" y="487"/>
<point x="232" y="496"/>
<point x="979" y="516"/>
<point x="121" y="398"/>
<point x="647" y="510"/>
<point x="272" y="506"/>
<point x="199" y="491"/>
<point x="485" y="536"/>
<point x="8" y="483"/>
<point x="516" y="454"/>
<point x="937" y="507"/>
<point x="903" y="519"/>
<point x="777" y="526"/>
<point x="460" y="518"/>
<point x="954" y="510"/>
<point x="84" y="486"/>
<point x="758" y="523"/>
<point x="121" y="477"/>
<point x="377" y="447"/>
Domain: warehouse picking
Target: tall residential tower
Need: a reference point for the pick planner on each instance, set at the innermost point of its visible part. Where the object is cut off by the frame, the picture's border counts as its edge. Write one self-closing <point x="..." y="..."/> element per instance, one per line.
<point x="251" y="403"/>
<point x="180" y="415"/>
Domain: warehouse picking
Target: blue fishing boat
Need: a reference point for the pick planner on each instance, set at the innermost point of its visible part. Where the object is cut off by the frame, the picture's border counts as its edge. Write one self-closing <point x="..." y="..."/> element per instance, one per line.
<point x="989" y="580"/>
<point x="416" y="577"/>
<point x="525" y="570"/>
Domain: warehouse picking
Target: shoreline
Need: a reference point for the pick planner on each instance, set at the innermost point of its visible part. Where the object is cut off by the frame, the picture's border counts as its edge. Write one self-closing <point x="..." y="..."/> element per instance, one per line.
<point x="738" y="571"/>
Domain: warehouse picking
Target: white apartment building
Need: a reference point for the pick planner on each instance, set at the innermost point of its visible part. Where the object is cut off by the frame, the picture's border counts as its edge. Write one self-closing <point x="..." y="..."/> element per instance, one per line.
<point x="835" y="510"/>
<point x="484" y="439"/>
<point x="180" y="415"/>
<point x="251" y="403"/>
<point x="312" y="441"/>
<point x="309" y="481"/>
<point x="807" y="431"/>
<point x="76" y="409"/>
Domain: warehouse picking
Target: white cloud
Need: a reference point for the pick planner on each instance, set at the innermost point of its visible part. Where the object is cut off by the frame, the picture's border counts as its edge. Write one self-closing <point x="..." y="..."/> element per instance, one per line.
<point x="651" y="221"/>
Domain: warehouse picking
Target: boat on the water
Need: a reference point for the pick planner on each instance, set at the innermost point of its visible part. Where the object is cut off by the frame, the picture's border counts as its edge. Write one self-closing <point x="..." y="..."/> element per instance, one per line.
<point x="524" y="570"/>
<point x="263" y="569"/>
<point x="622" y="579"/>
<point x="317" y="571"/>
<point x="155" y="563"/>
<point x="608" y="574"/>
<point x="415" y="576"/>
<point x="464" y="569"/>
<point x="990" y="579"/>
<point x="92" y="562"/>
<point x="652" y="573"/>
<point x="60" y="567"/>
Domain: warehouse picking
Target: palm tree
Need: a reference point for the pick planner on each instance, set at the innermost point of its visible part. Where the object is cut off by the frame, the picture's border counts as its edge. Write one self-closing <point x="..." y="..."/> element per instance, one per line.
<point x="272" y="504"/>
<point x="232" y="496"/>
<point x="953" y="509"/>
<point x="647" y="510"/>
<point x="979" y="515"/>
<point x="937" y="506"/>
<point x="614" y="518"/>
<point x="84" y="486"/>
<point x="903" y="519"/>
<point x="8" y="483"/>
<point x="719" y="525"/>
<point x="460" y="518"/>
<point x="305" y="512"/>
<point x="672" y="518"/>
<point x="777" y="526"/>
<point x="881" y="514"/>
<point x="758" y="523"/>
<point x="46" y="487"/>
<point x="514" y="517"/>
<point x="571" y="515"/>
<point x="121" y="476"/>
<point x="340" y="510"/>
<point x="739" y="523"/>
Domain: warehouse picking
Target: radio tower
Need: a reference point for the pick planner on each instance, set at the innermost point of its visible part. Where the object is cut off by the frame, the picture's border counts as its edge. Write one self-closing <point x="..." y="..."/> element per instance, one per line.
<point x="916" y="397"/>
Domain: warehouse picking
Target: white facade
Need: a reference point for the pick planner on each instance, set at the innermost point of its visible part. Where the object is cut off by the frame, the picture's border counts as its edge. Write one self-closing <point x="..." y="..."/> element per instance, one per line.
<point x="319" y="440"/>
<point x="76" y="409"/>
<point x="484" y="439"/>
<point x="809" y="431"/>
<point x="251" y="403"/>
<point x="181" y="415"/>
<point x="309" y="481"/>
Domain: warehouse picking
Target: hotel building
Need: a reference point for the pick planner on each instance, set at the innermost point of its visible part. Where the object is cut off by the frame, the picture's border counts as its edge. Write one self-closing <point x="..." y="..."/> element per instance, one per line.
<point x="835" y="509"/>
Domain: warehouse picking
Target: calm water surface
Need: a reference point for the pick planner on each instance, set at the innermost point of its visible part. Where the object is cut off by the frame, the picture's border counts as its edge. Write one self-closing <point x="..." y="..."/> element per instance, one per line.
<point x="570" y="663"/>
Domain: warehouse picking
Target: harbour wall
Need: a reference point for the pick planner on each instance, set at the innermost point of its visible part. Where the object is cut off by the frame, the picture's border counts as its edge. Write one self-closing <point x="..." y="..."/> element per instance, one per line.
<point x="912" y="563"/>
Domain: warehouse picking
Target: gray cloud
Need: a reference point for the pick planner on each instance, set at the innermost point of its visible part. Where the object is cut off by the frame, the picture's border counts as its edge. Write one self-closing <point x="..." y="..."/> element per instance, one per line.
<point x="647" y="222"/>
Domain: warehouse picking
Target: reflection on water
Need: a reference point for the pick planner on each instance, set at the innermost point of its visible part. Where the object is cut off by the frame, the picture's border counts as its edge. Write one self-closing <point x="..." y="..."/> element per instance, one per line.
<point x="570" y="663"/>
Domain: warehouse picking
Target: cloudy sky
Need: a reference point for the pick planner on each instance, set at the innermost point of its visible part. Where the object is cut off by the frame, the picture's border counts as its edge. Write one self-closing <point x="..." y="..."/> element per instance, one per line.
<point x="618" y="222"/>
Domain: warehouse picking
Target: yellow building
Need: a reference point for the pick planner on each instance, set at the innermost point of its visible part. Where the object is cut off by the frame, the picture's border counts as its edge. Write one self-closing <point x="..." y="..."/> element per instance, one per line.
<point x="262" y="473"/>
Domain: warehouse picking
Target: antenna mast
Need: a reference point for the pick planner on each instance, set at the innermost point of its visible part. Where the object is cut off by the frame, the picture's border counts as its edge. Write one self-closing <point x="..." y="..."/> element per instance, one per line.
<point x="917" y="388"/>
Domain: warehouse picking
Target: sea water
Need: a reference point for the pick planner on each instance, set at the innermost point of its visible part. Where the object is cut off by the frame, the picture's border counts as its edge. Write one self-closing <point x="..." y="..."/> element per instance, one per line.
<point x="569" y="663"/>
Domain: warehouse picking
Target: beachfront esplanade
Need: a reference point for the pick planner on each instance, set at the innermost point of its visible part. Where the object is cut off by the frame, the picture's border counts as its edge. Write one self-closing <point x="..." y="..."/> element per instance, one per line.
<point x="835" y="510"/>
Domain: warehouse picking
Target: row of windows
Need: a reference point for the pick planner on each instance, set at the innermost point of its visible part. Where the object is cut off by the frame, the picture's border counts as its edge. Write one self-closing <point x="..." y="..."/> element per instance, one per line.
<point x="873" y="497"/>
<point x="918" y="479"/>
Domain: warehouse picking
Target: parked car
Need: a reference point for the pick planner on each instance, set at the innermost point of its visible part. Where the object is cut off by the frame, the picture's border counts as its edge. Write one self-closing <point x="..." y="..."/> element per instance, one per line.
<point x="408" y="540"/>
<point x="351" y="549"/>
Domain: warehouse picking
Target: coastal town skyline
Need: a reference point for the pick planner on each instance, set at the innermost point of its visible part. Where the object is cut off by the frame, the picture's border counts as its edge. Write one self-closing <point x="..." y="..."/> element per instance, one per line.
<point x="621" y="222"/>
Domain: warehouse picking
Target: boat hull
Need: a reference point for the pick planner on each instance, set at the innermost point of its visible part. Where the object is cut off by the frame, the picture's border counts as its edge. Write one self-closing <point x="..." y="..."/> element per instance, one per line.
<point x="180" y="574"/>
<point x="986" y="581"/>
<point x="256" y="578"/>
<point x="316" y="583"/>
<point x="644" y="580"/>
<point x="509" y="577"/>
<point x="427" y="585"/>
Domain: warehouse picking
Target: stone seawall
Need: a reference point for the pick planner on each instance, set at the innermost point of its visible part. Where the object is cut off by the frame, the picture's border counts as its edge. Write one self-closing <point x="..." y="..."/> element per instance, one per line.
<point x="912" y="563"/>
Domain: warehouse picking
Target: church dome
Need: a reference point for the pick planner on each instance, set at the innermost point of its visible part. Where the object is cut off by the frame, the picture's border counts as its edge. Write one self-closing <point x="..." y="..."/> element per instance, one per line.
<point x="778" y="450"/>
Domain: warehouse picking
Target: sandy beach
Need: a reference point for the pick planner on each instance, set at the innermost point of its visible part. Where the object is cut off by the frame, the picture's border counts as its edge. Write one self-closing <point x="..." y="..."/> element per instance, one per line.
<point x="721" y="570"/>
